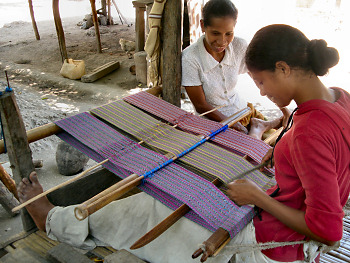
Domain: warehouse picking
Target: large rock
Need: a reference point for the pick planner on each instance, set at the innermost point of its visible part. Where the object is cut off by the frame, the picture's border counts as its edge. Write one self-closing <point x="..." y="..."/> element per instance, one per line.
<point x="69" y="160"/>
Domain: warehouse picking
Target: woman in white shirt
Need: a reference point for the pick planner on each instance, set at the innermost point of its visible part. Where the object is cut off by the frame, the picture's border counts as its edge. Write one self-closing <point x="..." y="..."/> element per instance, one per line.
<point x="210" y="69"/>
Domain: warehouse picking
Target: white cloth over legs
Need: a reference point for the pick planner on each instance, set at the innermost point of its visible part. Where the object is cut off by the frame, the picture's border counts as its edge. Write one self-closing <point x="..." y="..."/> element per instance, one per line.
<point x="123" y="222"/>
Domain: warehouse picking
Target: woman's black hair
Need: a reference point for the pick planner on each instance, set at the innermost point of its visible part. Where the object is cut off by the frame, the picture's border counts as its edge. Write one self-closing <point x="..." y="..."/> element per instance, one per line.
<point x="275" y="43"/>
<point x="218" y="8"/>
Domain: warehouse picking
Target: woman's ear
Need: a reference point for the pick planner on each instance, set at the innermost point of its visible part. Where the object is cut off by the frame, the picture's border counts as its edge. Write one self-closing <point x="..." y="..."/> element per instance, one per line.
<point x="283" y="67"/>
<point x="202" y="26"/>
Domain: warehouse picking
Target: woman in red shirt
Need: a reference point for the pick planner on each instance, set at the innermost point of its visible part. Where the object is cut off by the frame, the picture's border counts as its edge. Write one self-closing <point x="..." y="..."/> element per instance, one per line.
<point x="311" y="160"/>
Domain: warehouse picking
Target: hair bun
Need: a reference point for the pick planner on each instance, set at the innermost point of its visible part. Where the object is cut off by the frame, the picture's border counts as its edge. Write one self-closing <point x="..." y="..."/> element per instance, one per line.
<point x="322" y="57"/>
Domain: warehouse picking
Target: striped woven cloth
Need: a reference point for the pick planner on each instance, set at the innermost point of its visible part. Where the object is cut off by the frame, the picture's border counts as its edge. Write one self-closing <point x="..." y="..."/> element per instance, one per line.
<point x="172" y="185"/>
<point x="232" y="139"/>
<point x="209" y="158"/>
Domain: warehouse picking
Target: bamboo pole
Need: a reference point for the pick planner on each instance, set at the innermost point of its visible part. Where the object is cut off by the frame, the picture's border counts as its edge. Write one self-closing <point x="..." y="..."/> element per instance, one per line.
<point x="37" y="134"/>
<point x="272" y="138"/>
<point x="57" y="187"/>
<point x="95" y="203"/>
<point x="119" y="13"/>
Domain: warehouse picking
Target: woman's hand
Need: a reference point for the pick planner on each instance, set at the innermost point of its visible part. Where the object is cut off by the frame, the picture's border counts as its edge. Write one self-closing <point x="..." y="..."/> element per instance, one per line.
<point x="244" y="192"/>
<point x="239" y="127"/>
<point x="266" y="158"/>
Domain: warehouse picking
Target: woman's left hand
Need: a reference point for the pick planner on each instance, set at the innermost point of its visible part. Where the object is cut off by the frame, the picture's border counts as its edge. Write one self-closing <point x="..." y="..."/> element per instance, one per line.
<point x="243" y="192"/>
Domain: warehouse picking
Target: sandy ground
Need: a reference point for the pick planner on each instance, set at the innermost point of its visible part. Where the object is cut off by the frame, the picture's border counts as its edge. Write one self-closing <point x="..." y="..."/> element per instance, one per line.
<point x="44" y="96"/>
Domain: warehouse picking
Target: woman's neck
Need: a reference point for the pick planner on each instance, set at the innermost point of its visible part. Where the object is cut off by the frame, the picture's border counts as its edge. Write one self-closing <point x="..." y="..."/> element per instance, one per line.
<point x="312" y="88"/>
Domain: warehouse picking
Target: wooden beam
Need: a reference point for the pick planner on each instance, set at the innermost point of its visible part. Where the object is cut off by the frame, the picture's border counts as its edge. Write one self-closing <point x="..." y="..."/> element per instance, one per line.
<point x="97" y="29"/>
<point x="7" y="200"/>
<point x="59" y="29"/>
<point x="19" y="153"/>
<point x="33" y="20"/>
<point x="100" y="71"/>
<point x="171" y="49"/>
<point x="140" y="9"/>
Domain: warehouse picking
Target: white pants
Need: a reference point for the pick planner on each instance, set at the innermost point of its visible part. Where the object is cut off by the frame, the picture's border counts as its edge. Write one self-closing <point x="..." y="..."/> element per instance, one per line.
<point x="123" y="222"/>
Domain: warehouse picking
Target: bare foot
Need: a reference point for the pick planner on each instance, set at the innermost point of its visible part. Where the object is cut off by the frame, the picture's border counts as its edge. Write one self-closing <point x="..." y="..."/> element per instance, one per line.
<point x="258" y="127"/>
<point x="39" y="208"/>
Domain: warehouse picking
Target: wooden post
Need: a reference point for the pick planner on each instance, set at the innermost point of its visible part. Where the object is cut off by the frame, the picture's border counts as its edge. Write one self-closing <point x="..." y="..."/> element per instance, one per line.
<point x="140" y="9"/>
<point x="7" y="200"/>
<point x="19" y="153"/>
<point x="59" y="29"/>
<point x="109" y="12"/>
<point x="33" y="20"/>
<point x="97" y="29"/>
<point x="103" y="8"/>
<point x="171" y="49"/>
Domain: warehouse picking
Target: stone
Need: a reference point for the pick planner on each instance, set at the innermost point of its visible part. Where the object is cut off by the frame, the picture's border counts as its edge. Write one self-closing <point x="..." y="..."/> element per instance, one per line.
<point x="69" y="160"/>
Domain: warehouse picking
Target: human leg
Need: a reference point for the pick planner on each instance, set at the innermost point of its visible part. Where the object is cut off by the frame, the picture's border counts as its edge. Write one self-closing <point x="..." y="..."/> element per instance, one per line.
<point x="119" y="225"/>
<point x="258" y="126"/>
<point x="39" y="209"/>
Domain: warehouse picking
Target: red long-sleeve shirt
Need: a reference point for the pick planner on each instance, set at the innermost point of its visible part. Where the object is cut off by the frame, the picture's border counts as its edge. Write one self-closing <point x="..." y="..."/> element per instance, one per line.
<point x="312" y="162"/>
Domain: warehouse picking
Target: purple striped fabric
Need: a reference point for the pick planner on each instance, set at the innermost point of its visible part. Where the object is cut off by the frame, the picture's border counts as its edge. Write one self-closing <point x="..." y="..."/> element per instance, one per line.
<point x="232" y="139"/>
<point x="209" y="158"/>
<point x="171" y="185"/>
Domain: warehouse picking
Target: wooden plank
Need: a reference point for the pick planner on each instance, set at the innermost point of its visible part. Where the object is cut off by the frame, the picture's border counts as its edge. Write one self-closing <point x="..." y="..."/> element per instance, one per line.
<point x="19" y="153"/>
<point x="7" y="200"/>
<point x="100" y="72"/>
<point x="172" y="52"/>
<point x="23" y="255"/>
<point x="140" y="9"/>
<point x="64" y="253"/>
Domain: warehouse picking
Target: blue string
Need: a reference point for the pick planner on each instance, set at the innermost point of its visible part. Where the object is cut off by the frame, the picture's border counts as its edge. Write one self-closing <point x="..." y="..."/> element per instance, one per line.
<point x="2" y="136"/>
<point x="150" y="173"/>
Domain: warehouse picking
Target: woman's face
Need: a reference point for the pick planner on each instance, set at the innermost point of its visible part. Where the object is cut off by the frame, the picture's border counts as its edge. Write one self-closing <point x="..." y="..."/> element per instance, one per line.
<point x="219" y="34"/>
<point x="274" y="85"/>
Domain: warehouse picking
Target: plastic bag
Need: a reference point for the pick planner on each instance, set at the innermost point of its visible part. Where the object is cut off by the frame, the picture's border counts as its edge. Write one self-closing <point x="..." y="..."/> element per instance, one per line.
<point x="73" y="69"/>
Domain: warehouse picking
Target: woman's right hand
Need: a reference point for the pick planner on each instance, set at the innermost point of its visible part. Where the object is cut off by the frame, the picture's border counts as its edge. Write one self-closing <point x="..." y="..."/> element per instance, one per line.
<point x="239" y="127"/>
<point x="266" y="158"/>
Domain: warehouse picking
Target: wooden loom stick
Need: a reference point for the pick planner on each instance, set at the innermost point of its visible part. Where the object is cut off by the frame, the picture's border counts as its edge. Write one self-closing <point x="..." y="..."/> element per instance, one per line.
<point x="273" y="136"/>
<point x="95" y="203"/>
<point x="57" y="187"/>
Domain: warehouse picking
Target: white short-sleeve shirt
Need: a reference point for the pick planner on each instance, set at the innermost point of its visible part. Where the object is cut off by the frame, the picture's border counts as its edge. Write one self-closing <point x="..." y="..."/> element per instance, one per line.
<point x="218" y="79"/>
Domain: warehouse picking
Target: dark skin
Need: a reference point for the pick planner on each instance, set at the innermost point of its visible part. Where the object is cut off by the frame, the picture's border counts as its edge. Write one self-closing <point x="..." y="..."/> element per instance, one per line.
<point x="282" y="86"/>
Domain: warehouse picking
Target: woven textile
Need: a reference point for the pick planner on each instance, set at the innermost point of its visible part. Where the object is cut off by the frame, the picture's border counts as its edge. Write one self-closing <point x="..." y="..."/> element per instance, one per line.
<point x="232" y="139"/>
<point x="171" y="185"/>
<point x="209" y="158"/>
